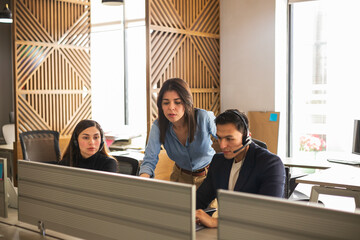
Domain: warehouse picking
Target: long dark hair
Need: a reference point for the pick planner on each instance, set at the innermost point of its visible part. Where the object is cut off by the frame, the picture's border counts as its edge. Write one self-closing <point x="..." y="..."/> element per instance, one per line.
<point x="182" y="88"/>
<point x="72" y="154"/>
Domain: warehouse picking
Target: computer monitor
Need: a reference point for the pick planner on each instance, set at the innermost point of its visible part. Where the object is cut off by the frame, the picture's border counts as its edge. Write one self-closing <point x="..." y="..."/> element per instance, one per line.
<point x="349" y="158"/>
<point x="252" y="216"/>
<point x="3" y="189"/>
<point x="356" y="140"/>
<point x="93" y="204"/>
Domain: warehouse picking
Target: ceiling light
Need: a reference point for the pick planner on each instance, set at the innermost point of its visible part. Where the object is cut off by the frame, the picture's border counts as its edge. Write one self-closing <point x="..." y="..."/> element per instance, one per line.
<point x="113" y="2"/>
<point x="5" y="15"/>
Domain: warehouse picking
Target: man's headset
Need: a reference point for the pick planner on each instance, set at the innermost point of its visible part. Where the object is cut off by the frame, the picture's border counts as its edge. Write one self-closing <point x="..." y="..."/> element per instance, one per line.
<point x="246" y="139"/>
<point x="101" y="143"/>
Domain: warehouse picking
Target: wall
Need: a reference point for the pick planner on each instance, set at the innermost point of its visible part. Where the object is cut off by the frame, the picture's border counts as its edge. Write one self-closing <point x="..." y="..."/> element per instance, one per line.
<point x="253" y="57"/>
<point x="52" y="74"/>
<point x="6" y="90"/>
<point x="184" y="44"/>
<point x="247" y="54"/>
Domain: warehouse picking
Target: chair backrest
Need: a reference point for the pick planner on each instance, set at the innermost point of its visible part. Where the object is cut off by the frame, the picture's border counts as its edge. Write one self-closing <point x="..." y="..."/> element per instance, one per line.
<point x="40" y="146"/>
<point x="127" y="165"/>
<point x="9" y="133"/>
<point x="287" y="191"/>
<point x="260" y="143"/>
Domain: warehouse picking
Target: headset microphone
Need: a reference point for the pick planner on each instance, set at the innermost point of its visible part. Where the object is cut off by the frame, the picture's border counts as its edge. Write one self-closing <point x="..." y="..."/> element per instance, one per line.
<point x="247" y="143"/>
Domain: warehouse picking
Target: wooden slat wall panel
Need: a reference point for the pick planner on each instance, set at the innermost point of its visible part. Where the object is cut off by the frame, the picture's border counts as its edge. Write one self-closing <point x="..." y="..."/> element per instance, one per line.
<point x="183" y="41"/>
<point x="52" y="64"/>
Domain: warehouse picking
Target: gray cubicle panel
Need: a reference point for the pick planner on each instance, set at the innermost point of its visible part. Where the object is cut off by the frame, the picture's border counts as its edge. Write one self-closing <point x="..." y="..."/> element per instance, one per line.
<point x="250" y="216"/>
<point x="3" y="189"/>
<point x="100" y="205"/>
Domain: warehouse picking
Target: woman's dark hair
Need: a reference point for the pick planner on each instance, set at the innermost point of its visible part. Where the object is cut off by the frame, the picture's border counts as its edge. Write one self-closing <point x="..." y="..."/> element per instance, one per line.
<point x="182" y="88"/>
<point x="72" y="154"/>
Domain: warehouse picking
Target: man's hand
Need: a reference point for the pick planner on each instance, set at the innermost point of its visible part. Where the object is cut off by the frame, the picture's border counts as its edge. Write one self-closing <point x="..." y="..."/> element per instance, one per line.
<point x="206" y="220"/>
<point x="145" y="175"/>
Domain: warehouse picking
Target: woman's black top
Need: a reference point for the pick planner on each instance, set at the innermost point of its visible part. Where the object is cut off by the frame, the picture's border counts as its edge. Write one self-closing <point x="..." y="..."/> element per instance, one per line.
<point x="97" y="161"/>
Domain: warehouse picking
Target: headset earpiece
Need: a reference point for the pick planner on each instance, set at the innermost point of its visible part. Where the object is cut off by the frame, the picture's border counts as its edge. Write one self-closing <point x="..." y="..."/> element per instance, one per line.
<point x="76" y="144"/>
<point x="101" y="144"/>
<point x="246" y="137"/>
<point x="102" y="140"/>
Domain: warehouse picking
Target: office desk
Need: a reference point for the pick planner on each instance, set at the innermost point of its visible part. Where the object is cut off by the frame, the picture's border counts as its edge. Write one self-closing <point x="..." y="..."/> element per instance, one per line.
<point x="338" y="180"/>
<point x="207" y="234"/>
<point x="302" y="163"/>
<point x="138" y="155"/>
<point x="12" y="228"/>
<point x="305" y="163"/>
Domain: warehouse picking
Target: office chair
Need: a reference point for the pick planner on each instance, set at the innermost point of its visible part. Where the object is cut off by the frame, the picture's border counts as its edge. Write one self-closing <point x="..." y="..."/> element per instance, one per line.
<point x="259" y="143"/>
<point x="127" y="165"/>
<point x="290" y="184"/>
<point x="40" y="146"/>
<point x="287" y="183"/>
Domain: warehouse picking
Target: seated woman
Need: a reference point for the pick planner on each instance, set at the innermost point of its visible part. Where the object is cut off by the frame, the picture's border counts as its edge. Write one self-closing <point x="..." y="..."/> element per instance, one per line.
<point x="86" y="148"/>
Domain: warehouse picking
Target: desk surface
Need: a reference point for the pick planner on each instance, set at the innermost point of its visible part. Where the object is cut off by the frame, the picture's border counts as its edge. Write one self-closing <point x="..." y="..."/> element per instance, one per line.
<point x="12" y="228"/>
<point x="129" y="153"/>
<point x="306" y="163"/>
<point x="207" y="234"/>
<point x="340" y="176"/>
<point x="7" y="147"/>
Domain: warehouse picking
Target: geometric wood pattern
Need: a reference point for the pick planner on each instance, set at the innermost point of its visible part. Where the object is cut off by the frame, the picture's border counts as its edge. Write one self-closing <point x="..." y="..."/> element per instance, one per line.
<point x="51" y="64"/>
<point x="183" y="41"/>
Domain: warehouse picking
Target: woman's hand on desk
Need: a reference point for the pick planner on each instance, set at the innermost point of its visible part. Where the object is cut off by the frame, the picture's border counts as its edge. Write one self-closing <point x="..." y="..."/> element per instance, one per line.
<point x="145" y="175"/>
<point x="206" y="220"/>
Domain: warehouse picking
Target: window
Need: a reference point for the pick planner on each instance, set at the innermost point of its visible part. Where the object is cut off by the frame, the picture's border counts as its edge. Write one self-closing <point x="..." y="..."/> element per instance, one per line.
<point x="107" y="65"/>
<point x="324" y="75"/>
<point x="118" y="65"/>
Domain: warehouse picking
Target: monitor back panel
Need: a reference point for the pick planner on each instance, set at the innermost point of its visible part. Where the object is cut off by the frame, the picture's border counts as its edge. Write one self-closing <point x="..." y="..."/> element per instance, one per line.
<point x="99" y="205"/>
<point x="3" y="189"/>
<point x="356" y="137"/>
<point x="250" y="216"/>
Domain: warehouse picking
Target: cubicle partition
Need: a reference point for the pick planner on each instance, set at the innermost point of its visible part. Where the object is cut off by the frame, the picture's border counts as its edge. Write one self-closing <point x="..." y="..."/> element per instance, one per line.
<point x="100" y="205"/>
<point x="250" y="216"/>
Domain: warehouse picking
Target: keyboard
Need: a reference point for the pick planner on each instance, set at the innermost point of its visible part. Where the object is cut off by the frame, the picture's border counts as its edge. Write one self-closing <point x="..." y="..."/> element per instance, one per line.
<point x="344" y="161"/>
<point x="199" y="227"/>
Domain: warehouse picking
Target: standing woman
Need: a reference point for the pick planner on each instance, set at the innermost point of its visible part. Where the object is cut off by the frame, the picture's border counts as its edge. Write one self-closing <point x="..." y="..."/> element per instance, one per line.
<point x="86" y="148"/>
<point x="183" y="131"/>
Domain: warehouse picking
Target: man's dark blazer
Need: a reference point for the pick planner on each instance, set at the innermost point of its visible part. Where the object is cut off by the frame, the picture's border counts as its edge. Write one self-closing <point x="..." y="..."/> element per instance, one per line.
<point x="262" y="172"/>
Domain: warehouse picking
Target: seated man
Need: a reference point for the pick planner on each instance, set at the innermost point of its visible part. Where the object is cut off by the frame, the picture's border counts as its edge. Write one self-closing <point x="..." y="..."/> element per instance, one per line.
<point x="242" y="166"/>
